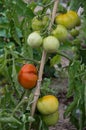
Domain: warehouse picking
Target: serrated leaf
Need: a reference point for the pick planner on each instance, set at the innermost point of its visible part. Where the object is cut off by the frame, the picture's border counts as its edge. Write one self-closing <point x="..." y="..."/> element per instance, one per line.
<point x="14" y="32"/>
<point x="55" y="60"/>
<point x="9" y="120"/>
<point x="85" y="99"/>
<point x="27" y="51"/>
<point x="14" y="78"/>
<point x="3" y="61"/>
<point x="71" y="107"/>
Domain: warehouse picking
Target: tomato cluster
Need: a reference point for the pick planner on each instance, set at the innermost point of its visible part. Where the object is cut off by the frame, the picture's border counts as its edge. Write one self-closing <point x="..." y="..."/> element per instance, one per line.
<point x="48" y="107"/>
<point x="35" y="40"/>
<point x="51" y="43"/>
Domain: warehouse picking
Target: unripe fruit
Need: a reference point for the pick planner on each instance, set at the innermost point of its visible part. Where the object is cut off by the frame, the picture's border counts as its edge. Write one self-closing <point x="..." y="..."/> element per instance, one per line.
<point x="74" y="49"/>
<point x="45" y="20"/>
<point x="47" y="104"/>
<point x="51" y="44"/>
<point x="69" y="19"/>
<point x="27" y="76"/>
<point x="34" y="40"/>
<point x="51" y="119"/>
<point x="74" y="32"/>
<point x="60" y="33"/>
<point x="74" y="17"/>
<point x="37" y="24"/>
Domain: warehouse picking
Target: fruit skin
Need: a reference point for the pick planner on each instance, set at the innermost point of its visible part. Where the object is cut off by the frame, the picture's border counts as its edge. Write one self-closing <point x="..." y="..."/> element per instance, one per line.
<point x="60" y="32"/>
<point x="74" y="49"/>
<point x="37" y="24"/>
<point x="47" y="104"/>
<point x="45" y="20"/>
<point x="34" y="40"/>
<point x="27" y="76"/>
<point x="69" y="19"/>
<point x="74" y="17"/>
<point x="74" y="32"/>
<point x="51" y="44"/>
<point x="51" y="119"/>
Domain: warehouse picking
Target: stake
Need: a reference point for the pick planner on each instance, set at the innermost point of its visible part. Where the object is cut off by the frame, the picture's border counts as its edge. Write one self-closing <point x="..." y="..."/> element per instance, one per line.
<point x="37" y="90"/>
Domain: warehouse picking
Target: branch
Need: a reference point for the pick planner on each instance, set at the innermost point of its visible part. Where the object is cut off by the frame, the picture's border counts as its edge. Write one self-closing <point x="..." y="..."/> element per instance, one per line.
<point x="63" y="55"/>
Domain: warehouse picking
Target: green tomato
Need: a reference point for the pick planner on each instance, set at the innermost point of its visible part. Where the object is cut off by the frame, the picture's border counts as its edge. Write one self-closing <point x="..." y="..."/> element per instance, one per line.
<point x="76" y="42"/>
<point x="51" y="44"/>
<point x="74" y="32"/>
<point x="34" y="40"/>
<point x="45" y="20"/>
<point x="51" y="119"/>
<point x="60" y="32"/>
<point x="47" y="104"/>
<point x="37" y="24"/>
<point x="74" y="49"/>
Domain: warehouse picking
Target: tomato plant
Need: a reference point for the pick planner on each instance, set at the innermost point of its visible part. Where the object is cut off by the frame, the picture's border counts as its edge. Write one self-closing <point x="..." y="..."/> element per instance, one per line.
<point x="38" y="35"/>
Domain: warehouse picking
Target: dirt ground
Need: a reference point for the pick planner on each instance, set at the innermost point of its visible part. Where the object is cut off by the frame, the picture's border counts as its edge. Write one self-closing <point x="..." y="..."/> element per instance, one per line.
<point x="61" y="86"/>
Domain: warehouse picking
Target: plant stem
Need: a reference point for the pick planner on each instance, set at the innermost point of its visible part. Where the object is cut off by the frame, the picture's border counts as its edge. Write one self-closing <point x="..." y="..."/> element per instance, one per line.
<point x="61" y="54"/>
<point x="53" y="14"/>
<point x="37" y="90"/>
<point x="29" y="59"/>
<point x="44" y="6"/>
<point x="23" y="100"/>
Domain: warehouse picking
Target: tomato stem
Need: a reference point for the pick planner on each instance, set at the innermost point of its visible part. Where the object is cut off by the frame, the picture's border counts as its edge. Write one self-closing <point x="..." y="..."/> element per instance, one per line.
<point x="23" y="100"/>
<point x="29" y="59"/>
<point x="63" y="55"/>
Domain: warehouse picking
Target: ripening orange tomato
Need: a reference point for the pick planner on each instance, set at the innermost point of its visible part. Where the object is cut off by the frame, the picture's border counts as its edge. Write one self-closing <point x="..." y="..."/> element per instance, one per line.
<point x="27" y="76"/>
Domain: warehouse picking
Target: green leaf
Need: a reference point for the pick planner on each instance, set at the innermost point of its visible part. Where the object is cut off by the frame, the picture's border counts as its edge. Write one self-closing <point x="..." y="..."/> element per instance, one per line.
<point x="74" y="119"/>
<point x="85" y="99"/>
<point x="3" y="61"/>
<point x="27" y="51"/>
<point x="15" y="78"/>
<point x="14" y="32"/>
<point x="71" y="107"/>
<point x="9" y="120"/>
<point x="55" y="60"/>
